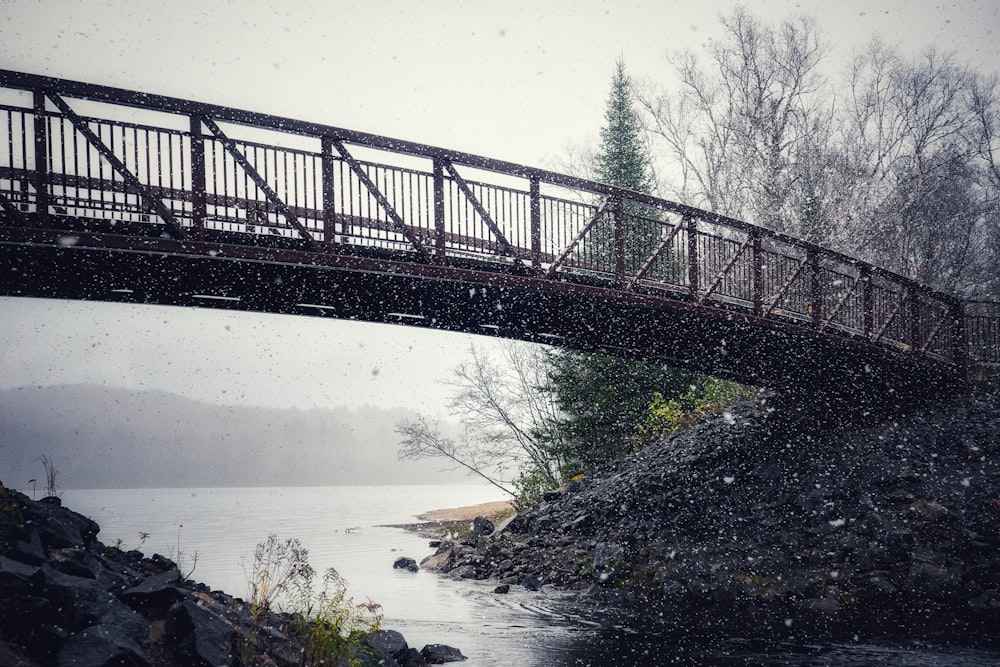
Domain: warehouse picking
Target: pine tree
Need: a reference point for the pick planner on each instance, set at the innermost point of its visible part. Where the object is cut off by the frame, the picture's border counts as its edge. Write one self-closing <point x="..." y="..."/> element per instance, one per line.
<point x="623" y="160"/>
<point x="603" y="399"/>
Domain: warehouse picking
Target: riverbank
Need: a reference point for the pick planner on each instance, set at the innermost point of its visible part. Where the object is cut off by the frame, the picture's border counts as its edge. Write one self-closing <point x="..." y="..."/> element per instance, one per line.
<point x="70" y="599"/>
<point x="454" y="524"/>
<point x="757" y="523"/>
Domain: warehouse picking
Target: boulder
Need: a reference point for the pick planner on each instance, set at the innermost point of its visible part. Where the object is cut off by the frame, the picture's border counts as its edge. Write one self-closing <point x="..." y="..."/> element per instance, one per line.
<point x="101" y="646"/>
<point x="199" y="637"/>
<point x="10" y="656"/>
<point x="480" y="526"/>
<point x="388" y="645"/>
<point x="155" y="595"/>
<point x="404" y="563"/>
<point x="438" y="654"/>
<point x="607" y="557"/>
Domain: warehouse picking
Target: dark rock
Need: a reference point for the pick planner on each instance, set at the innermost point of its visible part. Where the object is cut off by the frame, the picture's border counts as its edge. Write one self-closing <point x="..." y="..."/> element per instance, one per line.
<point x="10" y="656"/>
<point x="411" y="658"/>
<point x="607" y="556"/>
<point x="99" y="646"/>
<point x="784" y="517"/>
<point x="552" y="495"/>
<point x="156" y="594"/>
<point x="15" y="575"/>
<point x="76" y="562"/>
<point x="531" y="582"/>
<point x="82" y="601"/>
<point x="480" y="526"/>
<point x="502" y="589"/>
<point x="438" y="654"/>
<point x="21" y="614"/>
<point x="31" y="551"/>
<point x="59" y="527"/>
<point x="404" y="563"/>
<point x="66" y="599"/>
<point x="388" y="644"/>
<point x="122" y="621"/>
<point x="199" y="637"/>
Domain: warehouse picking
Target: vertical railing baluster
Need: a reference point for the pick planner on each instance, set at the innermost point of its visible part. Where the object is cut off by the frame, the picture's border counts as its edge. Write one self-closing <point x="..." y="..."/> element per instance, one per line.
<point x="41" y="160"/>
<point x="758" y="275"/>
<point x="535" y="193"/>
<point x="816" y="290"/>
<point x="199" y="200"/>
<point x="959" y="337"/>
<point x="439" y="226"/>
<point x="618" y="215"/>
<point x="692" y="233"/>
<point x="867" y="302"/>
<point x="327" y="165"/>
<point x="914" y="320"/>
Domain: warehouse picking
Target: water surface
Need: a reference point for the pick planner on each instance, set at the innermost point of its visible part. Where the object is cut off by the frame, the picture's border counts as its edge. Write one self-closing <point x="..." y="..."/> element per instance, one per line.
<point x="347" y="528"/>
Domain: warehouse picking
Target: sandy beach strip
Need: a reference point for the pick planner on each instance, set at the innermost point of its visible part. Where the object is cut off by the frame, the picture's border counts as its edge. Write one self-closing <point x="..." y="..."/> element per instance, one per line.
<point x="466" y="513"/>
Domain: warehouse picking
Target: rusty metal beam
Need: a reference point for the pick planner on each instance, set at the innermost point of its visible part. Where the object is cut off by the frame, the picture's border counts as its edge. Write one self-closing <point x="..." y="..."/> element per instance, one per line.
<point x="840" y="304"/>
<point x="138" y="187"/>
<point x="509" y="250"/>
<point x="788" y="284"/>
<point x="938" y="323"/>
<point x="892" y="315"/>
<point x="654" y="256"/>
<point x="722" y="274"/>
<point x="255" y="176"/>
<point x="535" y="195"/>
<point x="41" y="179"/>
<point x="568" y="250"/>
<point x="382" y="200"/>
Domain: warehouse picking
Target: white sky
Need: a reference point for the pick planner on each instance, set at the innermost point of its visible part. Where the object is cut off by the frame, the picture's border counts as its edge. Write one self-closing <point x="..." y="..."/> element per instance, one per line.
<point x="515" y="80"/>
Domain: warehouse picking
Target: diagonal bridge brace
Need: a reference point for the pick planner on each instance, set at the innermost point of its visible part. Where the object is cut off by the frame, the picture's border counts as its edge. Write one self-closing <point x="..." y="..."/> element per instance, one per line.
<point x="725" y="270"/>
<point x="154" y="203"/>
<point x="860" y="281"/>
<point x="259" y="180"/>
<point x="554" y="266"/>
<point x="383" y="201"/>
<point x="509" y="250"/>
<point x="776" y="299"/>
<point x="648" y="264"/>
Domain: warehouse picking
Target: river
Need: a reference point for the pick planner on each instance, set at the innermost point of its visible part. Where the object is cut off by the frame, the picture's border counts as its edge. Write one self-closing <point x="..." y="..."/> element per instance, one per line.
<point x="348" y="528"/>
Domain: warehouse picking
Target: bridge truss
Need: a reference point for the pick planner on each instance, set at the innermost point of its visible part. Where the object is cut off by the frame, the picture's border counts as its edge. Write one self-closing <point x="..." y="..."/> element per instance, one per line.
<point x="119" y="195"/>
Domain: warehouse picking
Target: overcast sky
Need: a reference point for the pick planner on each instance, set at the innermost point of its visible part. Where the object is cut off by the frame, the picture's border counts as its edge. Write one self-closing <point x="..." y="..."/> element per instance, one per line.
<point x="515" y="80"/>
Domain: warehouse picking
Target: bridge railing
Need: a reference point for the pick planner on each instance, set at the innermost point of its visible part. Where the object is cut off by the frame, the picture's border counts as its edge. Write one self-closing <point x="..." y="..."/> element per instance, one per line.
<point x="75" y="155"/>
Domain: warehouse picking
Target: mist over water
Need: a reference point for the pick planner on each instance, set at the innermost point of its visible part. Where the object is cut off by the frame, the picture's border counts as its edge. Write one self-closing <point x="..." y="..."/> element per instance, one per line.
<point x="349" y="529"/>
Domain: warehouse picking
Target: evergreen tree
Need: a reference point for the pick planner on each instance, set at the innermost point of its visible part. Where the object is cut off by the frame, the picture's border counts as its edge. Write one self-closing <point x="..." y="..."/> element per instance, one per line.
<point x="623" y="160"/>
<point x="604" y="399"/>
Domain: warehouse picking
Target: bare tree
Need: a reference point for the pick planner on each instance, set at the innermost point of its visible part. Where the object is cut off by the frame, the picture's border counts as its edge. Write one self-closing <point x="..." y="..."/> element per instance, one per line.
<point x="918" y="136"/>
<point x="898" y="167"/>
<point x="508" y="420"/>
<point x="422" y="439"/>
<point x="735" y="128"/>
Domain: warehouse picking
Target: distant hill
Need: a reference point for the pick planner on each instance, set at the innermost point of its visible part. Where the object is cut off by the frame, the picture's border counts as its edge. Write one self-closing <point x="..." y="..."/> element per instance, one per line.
<point x="101" y="437"/>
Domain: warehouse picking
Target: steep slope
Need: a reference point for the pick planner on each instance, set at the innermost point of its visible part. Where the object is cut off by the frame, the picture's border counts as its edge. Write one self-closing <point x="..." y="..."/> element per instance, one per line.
<point x="756" y="523"/>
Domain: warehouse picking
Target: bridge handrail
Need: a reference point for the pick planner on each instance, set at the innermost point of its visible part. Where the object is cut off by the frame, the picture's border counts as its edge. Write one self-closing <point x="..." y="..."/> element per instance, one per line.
<point x="956" y="306"/>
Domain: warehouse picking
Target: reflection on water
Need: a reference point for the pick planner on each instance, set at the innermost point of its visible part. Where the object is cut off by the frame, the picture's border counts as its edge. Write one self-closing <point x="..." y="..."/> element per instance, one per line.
<point x="345" y="528"/>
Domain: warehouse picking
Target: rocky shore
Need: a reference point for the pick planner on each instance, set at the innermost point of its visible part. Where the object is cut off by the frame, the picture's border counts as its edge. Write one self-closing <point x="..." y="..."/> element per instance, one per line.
<point x="67" y="599"/>
<point x="759" y="523"/>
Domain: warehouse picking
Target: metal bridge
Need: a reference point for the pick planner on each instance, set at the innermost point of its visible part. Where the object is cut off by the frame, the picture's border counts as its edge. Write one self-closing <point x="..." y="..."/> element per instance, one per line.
<point x="116" y="195"/>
